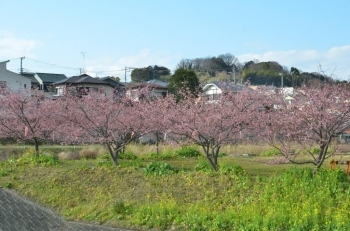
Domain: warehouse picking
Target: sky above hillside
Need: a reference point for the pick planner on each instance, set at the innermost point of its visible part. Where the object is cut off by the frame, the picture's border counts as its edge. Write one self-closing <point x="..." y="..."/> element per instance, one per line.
<point x="105" y="36"/>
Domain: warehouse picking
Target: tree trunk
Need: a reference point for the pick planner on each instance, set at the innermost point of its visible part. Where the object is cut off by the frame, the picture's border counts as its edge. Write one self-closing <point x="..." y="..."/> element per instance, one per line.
<point x="212" y="156"/>
<point x="321" y="156"/>
<point x="36" y="147"/>
<point x="157" y="143"/>
<point x="113" y="154"/>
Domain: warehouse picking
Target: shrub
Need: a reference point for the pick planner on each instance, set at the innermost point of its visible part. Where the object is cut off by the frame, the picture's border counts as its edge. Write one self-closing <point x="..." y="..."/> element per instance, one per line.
<point x="45" y="160"/>
<point x="88" y="153"/>
<point x="29" y="157"/>
<point x="128" y="155"/>
<point x="188" y="151"/>
<point x="203" y="166"/>
<point x="315" y="150"/>
<point x="105" y="157"/>
<point x="121" y="209"/>
<point x="104" y="163"/>
<point x="232" y="169"/>
<point x="67" y="155"/>
<point x="8" y="185"/>
<point x="4" y="172"/>
<point x="161" y="156"/>
<point x="270" y="152"/>
<point x="159" y="168"/>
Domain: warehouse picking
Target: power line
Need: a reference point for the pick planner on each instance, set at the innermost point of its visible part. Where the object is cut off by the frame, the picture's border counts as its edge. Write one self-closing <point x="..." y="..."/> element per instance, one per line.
<point x="9" y="59"/>
<point x="53" y="65"/>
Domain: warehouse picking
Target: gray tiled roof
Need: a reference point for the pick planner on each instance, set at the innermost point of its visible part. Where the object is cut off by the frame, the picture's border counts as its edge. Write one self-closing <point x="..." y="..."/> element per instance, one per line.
<point x="51" y="78"/>
<point x="81" y="79"/>
<point x="111" y="81"/>
<point x="157" y="82"/>
<point x="141" y="85"/>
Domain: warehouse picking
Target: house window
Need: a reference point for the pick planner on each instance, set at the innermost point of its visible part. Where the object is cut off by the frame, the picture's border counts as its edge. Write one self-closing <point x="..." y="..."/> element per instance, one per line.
<point x="3" y="84"/>
<point x="25" y="85"/>
<point x="59" y="91"/>
<point x="212" y="97"/>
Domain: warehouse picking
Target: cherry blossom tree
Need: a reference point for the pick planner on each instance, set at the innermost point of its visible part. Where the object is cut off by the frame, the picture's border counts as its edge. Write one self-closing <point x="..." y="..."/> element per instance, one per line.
<point x="211" y="124"/>
<point x="309" y="124"/>
<point x="103" y="119"/>
<point x="27" y="115"/>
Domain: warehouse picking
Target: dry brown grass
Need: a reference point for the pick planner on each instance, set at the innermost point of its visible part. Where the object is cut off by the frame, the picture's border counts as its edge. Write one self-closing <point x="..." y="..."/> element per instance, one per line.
<point x="139" y="149"/>
<point x="89" y="153"/>
<point x="244" y="149"/>
<point x="143" y="149"/>
<point x="68" y="155"/>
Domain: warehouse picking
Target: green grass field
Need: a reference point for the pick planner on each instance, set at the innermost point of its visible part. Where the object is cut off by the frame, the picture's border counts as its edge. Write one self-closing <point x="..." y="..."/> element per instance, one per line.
<point x="166" y="192"/>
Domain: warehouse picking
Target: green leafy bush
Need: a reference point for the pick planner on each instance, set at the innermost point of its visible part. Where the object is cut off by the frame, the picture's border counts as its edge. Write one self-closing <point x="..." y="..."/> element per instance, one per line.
<point x="159" y="168"/>
<point x="188" y="151"/>
<point x="104" y="163"/>
<point x="45" y="160"/>
<point x="314" y="150"/>
<point x="203" y="166"/>
<point x="161" y="156"/>
<point x="8" y="185"/>
<point x="29" y="157"/>
<point x="104" y="157"/>
<point x="128" y="155"/>
<point x="232" y="169"/>
<point x="3" y="172"/>
<point x="270" y="152"/>
<point x="121" y="209"/>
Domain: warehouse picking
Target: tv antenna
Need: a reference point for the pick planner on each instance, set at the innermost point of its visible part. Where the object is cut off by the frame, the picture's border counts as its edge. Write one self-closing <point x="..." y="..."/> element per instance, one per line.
<point x="83" y="54"/>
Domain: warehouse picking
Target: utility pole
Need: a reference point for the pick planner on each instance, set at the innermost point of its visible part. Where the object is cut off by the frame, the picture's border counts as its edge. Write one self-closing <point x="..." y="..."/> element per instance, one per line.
<point x="281" y="74"/>
<point x="282" y="81"/>
<point x="234" y="74"/>
<point x="127" y="69"/>
<point x="21" y="70"/>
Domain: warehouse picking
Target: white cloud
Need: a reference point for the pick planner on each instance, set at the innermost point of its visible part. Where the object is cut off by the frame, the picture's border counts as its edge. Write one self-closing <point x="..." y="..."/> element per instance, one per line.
<point x="144" y="58"/>
<point x="13" y="47"/>
<point x="334" y="61"/>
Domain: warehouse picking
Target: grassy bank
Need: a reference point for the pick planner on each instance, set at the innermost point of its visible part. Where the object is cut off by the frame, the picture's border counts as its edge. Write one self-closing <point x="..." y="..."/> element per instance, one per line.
<point x="169" y="192"/>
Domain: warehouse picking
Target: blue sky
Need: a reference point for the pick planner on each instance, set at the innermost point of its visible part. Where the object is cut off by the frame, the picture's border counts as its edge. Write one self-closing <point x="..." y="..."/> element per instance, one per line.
<point x="114" y="34"/>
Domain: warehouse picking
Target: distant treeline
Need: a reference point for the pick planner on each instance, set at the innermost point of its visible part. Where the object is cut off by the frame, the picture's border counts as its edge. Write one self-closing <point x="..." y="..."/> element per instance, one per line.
<point x="227" y="67"/>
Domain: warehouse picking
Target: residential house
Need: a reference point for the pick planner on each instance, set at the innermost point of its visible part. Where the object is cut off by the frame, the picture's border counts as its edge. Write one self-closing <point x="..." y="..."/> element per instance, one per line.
<point x="214" y="90"/>
<point x="44" y="81"/>
<point x="34" y="83"/>
<point x="157" y="88"/>
<point x="12" y="80"/>
<point x="82" y="85"/>
<point x="157" y="82"/>
<point x="118" y="86"/>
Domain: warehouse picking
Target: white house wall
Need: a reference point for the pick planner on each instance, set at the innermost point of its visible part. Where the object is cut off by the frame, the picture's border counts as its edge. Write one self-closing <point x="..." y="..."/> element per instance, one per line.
<point x="13" y="81"/>
<point x="108" y="90"/>
<point x="212" y="90"/>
